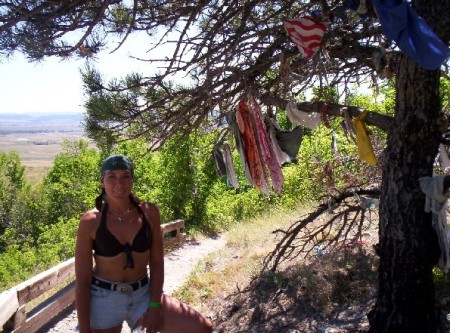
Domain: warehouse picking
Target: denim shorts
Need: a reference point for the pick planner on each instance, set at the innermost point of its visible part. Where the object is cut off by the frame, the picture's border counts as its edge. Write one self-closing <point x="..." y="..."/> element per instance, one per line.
<point x="111" y="308"/>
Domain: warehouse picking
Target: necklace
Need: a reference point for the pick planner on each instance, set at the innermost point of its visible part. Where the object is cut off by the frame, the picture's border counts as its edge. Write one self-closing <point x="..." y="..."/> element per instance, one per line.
<point x="120" y="216"/>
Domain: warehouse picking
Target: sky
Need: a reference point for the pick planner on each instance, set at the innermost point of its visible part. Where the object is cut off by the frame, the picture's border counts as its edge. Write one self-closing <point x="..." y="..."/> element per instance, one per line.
<point x="54" y="86"/>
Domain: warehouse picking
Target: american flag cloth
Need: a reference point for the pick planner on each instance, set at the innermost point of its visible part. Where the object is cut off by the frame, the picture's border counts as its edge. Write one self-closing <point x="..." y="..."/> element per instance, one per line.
<point x="306" y="33"/>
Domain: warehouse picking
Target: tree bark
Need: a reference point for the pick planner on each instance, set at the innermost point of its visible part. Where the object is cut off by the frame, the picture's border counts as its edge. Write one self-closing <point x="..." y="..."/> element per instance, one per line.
<point x="408" y="247"/>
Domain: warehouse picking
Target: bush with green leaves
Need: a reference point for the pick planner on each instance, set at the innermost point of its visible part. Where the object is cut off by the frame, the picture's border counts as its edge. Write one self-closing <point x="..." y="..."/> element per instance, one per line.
<point x="55" y="244"/>
<point x="227" y="206"/>
<point x="28" y="216"/>
<point x="17" y="265"/>
<point x="73" y="181"/>
<point x="12" y="180"/>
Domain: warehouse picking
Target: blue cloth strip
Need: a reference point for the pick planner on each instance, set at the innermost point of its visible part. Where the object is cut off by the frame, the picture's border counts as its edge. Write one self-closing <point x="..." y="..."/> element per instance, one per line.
<point x="413" y="35"/>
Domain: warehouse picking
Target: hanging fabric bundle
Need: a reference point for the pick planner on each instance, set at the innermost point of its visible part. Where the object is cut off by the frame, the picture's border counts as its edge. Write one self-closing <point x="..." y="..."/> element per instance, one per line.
<point x="298" y="117"/>
<point x="259" y="152"/>
<point x="231" y="174"/>
<point x="435" y="202"/>
<point x="412" y="34"/>
<point x="266" y="149"/>
<point x="282" y="157"/>
<point x="239" y="141"/>
<point x="362" y="8"/>
<point x="290" y="141"/>
<point x="252" y="156"/>
<point x="219" y="160"/>
<point x="365" y="149"/>
<point x="348" y="126"/>
<point x="306" y="33"/>
<point x="285" y="143"/>
<point x="223" y="162"/>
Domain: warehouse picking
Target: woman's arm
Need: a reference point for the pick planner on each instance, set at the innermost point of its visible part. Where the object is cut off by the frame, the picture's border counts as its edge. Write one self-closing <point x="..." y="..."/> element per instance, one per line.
<point x="83" y="271"/>
<point x="156" y="255"/>
<point x="156" y="263"/>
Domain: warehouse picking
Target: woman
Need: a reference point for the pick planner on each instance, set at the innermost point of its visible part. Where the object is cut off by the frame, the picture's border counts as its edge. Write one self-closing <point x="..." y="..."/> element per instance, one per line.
<point x="122" y="235"/>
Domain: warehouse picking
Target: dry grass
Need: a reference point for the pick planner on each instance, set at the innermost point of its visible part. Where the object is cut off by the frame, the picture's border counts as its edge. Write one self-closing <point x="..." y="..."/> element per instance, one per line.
<point x="331" y="291"/>
<point x="337" y="277"/>
<point x="233" y="267"/>
<point x="301" y="296"/>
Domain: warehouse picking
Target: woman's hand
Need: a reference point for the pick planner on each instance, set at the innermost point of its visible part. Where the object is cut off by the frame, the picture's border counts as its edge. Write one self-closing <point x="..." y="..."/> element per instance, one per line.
<point x="152" y="320"/>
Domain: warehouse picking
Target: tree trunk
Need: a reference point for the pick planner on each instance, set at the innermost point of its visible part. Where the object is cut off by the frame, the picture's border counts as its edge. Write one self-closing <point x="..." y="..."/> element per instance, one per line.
<point x="408" y="244"/>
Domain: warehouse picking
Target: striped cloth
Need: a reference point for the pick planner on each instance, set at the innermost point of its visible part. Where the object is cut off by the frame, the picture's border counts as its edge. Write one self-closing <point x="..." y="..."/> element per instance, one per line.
<point x="306" y="33"/>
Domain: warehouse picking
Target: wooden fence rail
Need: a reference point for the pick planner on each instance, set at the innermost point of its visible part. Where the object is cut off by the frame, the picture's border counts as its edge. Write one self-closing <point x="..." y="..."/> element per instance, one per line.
<point x="15" y="315"/>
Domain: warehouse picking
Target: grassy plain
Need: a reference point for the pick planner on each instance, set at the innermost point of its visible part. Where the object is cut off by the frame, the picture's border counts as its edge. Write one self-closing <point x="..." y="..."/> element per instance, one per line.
<point x="38" y="140"/>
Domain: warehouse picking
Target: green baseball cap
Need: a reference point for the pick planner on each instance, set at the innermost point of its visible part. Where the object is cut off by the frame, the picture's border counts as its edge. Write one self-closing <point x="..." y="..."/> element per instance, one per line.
<point x="116" y="162"/>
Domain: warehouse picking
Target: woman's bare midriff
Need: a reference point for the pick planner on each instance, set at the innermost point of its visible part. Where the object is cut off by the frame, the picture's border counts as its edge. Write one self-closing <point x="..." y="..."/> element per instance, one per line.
<point x="107" y="267"/>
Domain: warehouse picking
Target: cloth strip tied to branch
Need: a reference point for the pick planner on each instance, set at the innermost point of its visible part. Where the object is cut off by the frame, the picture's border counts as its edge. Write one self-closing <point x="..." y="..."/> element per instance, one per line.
<point x="306" y="33"/>
<point x="365" y="149"/>
<point x="413" y="35"/>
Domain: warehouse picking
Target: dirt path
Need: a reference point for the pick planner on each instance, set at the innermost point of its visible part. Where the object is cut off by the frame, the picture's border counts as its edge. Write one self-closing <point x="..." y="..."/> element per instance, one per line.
<point x="178" y="266"/>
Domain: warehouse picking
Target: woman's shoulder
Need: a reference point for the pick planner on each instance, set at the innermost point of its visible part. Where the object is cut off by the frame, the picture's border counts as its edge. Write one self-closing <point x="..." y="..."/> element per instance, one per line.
<point x="89" y="223"/>
<point x="151" y="211"/>
<point x="90" y="217"/>
<point x="149" y="207"/>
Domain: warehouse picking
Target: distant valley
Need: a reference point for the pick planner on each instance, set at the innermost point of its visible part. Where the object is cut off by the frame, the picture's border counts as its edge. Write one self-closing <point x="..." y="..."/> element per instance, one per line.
<point x="32" y="123"/>
<point x="38" y="138"/>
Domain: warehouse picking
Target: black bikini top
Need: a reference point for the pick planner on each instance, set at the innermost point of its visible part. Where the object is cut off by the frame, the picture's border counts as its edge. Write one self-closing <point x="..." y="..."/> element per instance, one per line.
<point x="106" y="245"/>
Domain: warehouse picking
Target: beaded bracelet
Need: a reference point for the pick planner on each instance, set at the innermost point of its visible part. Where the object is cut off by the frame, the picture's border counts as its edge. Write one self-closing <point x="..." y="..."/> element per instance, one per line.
<point x="154" y="304"/>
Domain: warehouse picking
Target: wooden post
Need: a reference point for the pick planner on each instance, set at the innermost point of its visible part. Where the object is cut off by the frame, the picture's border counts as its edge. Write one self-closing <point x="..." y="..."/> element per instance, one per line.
<point x="9" y="303"/>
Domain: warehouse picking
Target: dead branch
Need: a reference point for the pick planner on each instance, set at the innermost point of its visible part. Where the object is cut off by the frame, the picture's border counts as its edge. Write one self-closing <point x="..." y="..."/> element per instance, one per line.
<point x="335" y="223"/>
